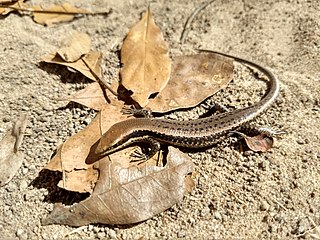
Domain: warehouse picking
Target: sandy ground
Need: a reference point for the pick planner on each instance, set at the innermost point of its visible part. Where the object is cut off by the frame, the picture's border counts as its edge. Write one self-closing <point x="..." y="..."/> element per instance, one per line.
<point x="238" y="195"/>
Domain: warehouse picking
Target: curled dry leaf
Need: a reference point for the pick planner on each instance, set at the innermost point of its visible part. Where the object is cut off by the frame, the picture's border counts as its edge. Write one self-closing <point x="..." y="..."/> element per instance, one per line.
<point x="70" y="157"/>
<point x="146" y="61"/>
<point x="56" y="14"/>
<point x="259" y="143"/>
<point x="193" y="79"/>
<point x="128" y="195"/>
<point x="78" y="45"/>
<point x="85" y="65"/>
<point x="10" y="158"/>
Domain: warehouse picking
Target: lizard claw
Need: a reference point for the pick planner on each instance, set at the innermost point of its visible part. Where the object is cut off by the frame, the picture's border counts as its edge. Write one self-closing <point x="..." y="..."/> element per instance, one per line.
<point x="138" y="156"/>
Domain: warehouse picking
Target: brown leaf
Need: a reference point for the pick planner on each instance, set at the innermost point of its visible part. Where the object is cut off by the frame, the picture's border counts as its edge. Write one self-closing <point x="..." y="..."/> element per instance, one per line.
<point x="7" y="6"/>
<point x="258" y="143"/>
<point x="91" y="96"/>
<point x="75" y="47"/>
<point x="92" y="59"/>
<point x="146" y="60"/>
<point x="126" y="196"/>
<point x="56" y="14"/>
<point x="70" y="157"/>
<point x="10" y="158"/>
<point x="193" y="79"/>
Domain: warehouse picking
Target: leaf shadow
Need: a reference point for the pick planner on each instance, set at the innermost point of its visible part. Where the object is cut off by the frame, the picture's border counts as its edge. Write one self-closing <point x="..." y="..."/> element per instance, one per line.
<point x="48" y="180"/>
<point x="65" y="75"/>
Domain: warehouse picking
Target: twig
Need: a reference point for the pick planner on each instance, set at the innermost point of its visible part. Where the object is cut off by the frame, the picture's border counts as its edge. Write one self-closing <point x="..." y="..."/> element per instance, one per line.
<point x="31" y="10"/>
<point x="75" y="231"/>
<point x="101" y="81"/>
<point x="190" y="19"/>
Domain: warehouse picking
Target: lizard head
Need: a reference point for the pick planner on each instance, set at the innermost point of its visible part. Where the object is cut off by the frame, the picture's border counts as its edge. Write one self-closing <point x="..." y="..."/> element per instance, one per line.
<point x="110" y="141"/>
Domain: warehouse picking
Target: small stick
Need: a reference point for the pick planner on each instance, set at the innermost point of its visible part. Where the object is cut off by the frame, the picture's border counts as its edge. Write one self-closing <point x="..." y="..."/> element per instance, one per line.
<point x="77" y="230"/>
<point x="31" y="10"/>
<point x="190" y="19"/>
<point x="100" y="80"/>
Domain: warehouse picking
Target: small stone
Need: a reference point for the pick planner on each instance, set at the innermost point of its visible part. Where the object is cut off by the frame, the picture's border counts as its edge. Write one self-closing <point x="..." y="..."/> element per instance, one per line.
<point x="23" y="185"/>
<point x="300" y="141"/>
<point x="96" y="229"/>
<point x="101" y="235"/>
<point x="5" y="119"/>
<point x="90" y="227"/>
<point x="32" y="167"/>
<point x="191" y="220"/>
<point x="24" y="170"/>
<point x="87" y="121"/>
<point x="303" y="226"/>
<point x="205" y="211"/>
<point x="11" y="187"/>
<point x="112" y="233"/>
<point x="50" y="140"/>
<point x="19" y="232"/>
<point x="217" y="216"/>
<point x="264" y="206"/>
<point x="181" y="234"/>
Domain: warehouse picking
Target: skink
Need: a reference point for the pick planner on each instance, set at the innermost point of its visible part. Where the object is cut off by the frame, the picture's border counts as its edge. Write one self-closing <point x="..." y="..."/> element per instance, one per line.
<point x="198" y="133"/>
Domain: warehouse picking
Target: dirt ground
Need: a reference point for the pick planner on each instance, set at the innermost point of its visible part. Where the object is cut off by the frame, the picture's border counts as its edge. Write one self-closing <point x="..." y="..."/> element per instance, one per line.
<point x="238" y="194"/>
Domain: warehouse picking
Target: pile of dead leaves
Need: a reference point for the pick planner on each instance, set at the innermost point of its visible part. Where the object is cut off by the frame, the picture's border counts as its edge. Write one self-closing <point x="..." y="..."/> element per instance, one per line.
<point x="123" y="192"/>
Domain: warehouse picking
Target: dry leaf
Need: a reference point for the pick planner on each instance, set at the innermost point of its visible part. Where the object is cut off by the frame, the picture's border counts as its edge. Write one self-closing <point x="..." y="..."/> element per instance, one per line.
<point x="70" y="157"/>
<point x="126" y="196"/>
<point x="78" y="45"/>
<point x="90" y="61"/>
<point x="258" y="143"/>
<point x="146" y="60"/>
<point x="91" y="96"/>
<point x="9" y="6"/>
<point x="193" y="79"/>
<point x="56" y="14"/>
<point x="10" y="158"/>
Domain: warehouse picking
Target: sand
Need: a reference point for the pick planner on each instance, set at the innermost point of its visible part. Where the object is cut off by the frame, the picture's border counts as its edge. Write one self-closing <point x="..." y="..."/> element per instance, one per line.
<point x="238" y="194"/>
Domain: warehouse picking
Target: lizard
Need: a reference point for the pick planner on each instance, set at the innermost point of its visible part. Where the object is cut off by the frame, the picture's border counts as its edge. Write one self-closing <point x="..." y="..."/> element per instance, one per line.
<point x="197" y="133"/>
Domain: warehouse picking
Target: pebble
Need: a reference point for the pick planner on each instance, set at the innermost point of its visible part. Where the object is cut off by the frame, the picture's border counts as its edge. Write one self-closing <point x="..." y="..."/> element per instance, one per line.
<point x="205" y="211"/>
<point x="23" y="185"/>
<point x="264" y="206"/>
<point x="303" y="226"/>
<point x="87" y="121"/>
<point x="96" y="229"/>
<point x="90" y="228"/>
<point x="191" y="220"/>
<point x="32" y="167"/>
<point x="50" y="140"/>
<point x="101" y="235"/>
<point x="11" y="187"/>
<point x="112" y="233"/>
<point x="24" y="170"/>
<point x="217" y="216"/>
<point x="181" y="234"/>
<point x="19" y="232"/>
